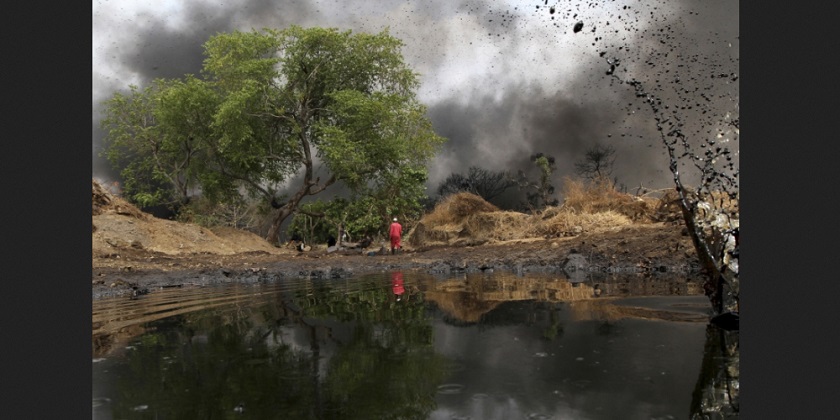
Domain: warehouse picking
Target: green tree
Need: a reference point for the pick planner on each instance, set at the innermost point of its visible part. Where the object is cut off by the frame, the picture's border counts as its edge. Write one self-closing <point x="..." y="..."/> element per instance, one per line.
<point x="538" y="193"/>
<point x="367" y="213"/>
<point x="299" y="110"/>
<point x="155" y="136"/>
<point x="301" y="94"/>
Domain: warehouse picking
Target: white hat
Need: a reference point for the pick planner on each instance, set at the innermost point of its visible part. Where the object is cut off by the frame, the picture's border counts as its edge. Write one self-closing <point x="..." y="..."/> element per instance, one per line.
<point x="395" y="219"/>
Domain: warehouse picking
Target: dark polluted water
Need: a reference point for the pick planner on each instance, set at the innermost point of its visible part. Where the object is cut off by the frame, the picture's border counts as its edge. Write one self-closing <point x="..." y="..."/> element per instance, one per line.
<point x="408" y="345"/>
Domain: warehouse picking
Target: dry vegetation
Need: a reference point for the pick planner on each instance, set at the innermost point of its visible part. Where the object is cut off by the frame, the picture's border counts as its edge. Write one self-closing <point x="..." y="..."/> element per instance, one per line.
<point x="119" y="225"/>
<point x="601" y="196"/>
<point x="128" y="242"/>
<point x="466" y="219"/>
<point x="462" y="219"/>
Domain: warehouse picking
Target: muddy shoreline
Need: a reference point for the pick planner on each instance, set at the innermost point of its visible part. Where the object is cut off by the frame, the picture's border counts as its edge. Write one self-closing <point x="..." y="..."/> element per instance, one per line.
<point x="133" y="252"/>
<point x="129" y="272"/>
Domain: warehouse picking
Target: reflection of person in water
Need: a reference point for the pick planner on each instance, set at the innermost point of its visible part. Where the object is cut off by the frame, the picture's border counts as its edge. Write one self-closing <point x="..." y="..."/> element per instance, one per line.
<point x="397" y="284"/>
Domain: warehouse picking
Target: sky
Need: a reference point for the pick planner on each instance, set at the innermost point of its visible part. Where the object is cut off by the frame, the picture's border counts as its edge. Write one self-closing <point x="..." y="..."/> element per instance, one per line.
<point x="502" y="80"/>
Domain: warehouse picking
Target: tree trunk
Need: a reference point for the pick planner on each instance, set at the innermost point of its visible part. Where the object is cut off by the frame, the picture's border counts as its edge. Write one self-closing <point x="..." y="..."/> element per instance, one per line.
<point x="721" y="284"/>
<point x="273" y="235"/>
<point x="308" y="188"/>
<point x="700" y="245"/>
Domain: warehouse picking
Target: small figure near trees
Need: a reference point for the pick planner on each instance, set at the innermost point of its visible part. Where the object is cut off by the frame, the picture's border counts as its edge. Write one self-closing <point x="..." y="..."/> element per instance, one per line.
<point x="395" y="232"/>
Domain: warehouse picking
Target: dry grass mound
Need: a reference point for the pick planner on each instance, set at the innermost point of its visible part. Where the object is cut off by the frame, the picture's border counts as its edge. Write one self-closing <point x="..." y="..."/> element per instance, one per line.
<point x="447" y="222"/>
<point x="500" y="226"/>
<point x="466" y="219"/>
<point x="456" y="207"/>
<point x="569" y="222"/>
<point x="600" y="196"/>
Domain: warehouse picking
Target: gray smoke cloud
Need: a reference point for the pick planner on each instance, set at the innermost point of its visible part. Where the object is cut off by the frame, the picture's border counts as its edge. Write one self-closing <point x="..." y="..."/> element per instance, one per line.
<point x="502" y="80"/>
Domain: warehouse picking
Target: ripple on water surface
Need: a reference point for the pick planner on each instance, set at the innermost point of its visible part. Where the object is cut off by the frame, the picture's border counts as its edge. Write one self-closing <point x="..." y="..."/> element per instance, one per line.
<point x="450" y="389"/>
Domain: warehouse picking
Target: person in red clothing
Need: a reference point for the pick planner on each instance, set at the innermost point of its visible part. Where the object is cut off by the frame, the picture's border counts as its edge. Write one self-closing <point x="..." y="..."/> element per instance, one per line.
<point x="396" y="234"/>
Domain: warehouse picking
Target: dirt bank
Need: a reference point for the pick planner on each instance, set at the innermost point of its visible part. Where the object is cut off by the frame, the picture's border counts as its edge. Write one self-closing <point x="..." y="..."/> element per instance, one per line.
<point x="132" y="252"/>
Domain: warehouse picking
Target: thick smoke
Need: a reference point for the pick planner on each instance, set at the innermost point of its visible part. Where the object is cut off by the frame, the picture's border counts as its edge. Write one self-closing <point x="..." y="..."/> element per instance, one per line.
<point x="676" y="48"/>
<point x="502" y="80"/>
<point x="504" y="133"/>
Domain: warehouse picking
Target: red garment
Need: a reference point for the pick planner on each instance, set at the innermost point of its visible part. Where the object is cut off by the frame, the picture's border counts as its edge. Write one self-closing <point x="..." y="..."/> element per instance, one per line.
<point x="396" y="235"/>
<point x="398" y="284"/>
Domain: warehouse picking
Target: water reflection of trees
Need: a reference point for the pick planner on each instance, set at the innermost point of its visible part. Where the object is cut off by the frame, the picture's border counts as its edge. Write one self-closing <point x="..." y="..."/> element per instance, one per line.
<point x="717" y="393"/>
<point x="471" y="298"/>
<point x="356" y="349"/>
<point x="205" y="364"/>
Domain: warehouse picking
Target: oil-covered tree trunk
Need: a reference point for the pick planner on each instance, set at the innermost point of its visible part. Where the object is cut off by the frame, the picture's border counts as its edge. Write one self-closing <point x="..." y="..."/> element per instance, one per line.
<point x="718" y="255"/>
<point x="716" y="245"/>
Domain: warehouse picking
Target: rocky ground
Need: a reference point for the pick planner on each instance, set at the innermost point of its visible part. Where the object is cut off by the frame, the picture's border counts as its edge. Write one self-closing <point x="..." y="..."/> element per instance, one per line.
<point x="133" y="252"/>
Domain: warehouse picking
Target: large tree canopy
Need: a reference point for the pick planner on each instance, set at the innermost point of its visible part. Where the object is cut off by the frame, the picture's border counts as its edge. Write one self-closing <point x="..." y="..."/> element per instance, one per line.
<point x="155" y="136"/>
<point x="306" y="106"/>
